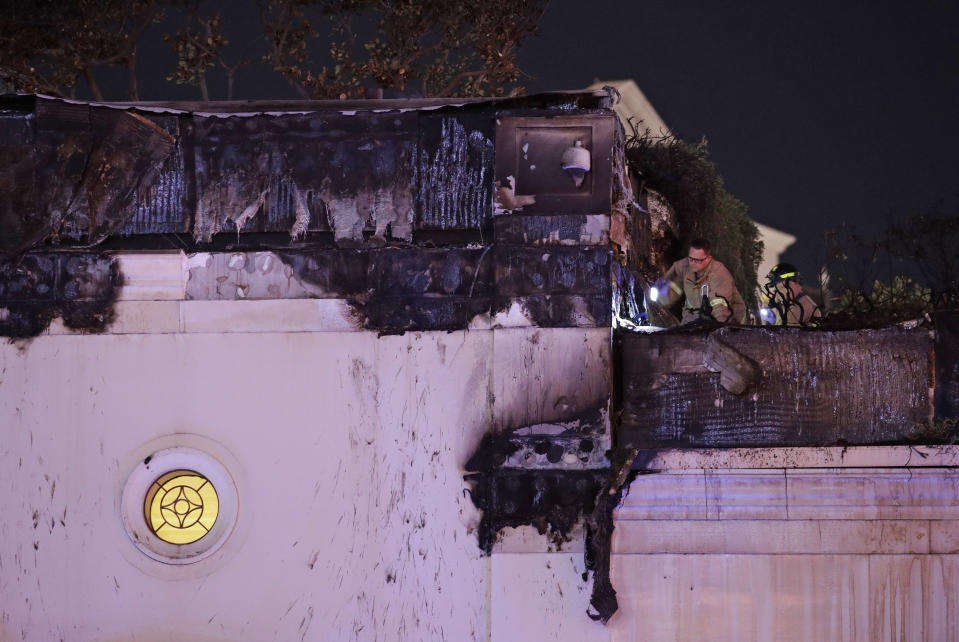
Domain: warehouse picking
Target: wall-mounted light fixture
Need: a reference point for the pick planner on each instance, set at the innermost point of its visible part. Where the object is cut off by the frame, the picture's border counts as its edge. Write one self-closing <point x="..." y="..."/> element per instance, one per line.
<point x="179" y="505"/>
<point x="576" y="162"/>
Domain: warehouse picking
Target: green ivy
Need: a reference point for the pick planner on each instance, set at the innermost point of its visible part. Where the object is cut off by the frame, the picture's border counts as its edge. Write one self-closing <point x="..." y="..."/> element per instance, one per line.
<point x="685" y="175"/>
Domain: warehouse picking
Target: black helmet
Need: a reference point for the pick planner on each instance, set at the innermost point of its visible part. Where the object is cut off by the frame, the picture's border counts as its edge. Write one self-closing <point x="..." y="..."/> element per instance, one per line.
<point x="783" y="272"/>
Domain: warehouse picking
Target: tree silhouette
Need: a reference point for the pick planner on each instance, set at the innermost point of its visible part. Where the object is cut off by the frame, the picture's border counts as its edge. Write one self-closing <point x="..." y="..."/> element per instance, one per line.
<point x="48" y="46"/>
<point x="323" y="48"/>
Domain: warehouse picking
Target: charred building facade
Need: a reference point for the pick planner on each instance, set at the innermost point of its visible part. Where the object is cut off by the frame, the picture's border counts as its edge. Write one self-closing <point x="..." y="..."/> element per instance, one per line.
<point x="348" y="370"/>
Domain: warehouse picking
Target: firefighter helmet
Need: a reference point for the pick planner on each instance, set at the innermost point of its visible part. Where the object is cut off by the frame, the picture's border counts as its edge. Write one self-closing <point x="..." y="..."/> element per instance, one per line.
<point x="783" y="272"/>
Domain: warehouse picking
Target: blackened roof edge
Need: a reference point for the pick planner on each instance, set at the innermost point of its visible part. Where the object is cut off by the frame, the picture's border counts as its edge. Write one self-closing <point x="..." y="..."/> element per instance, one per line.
<point x="591" y="99"/>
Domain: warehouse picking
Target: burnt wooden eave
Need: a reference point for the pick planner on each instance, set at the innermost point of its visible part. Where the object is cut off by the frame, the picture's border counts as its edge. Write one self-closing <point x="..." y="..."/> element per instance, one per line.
<point x="309" y="180"/>
<point x="569" y="99"/>
<point x="340" y="170"/>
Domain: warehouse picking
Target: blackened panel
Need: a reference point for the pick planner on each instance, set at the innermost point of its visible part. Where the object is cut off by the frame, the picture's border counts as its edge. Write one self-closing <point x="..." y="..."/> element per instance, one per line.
<point x="41" y="182"/>
<point x="33" y="280"/>
<point x="453" y="171"/>
<point x="947" y="364"/>
<point x="159" y="204"/>
<point x="80" y="176"/>
<point x="817" y="389"/>
<point x="305" y="172"/>
<point x="81" y="288"/>
<point x="562" y="229"/>
<point x="401" y="289"/>
<point x="340" y="273"/>
<point x="392" y="314"/>
<point x="395" y="272"/>
<point x="551" y="501"/>
<point x="556" y="270"/>
<point x="16" y="123"/>
<point x="128" y="152"/>
<point x="430" y="272"/>
<point x="22" y="220"/>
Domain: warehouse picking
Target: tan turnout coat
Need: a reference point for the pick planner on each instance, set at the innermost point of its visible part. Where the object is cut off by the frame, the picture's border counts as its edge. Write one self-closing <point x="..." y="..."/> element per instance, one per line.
<point x="715" y="283"/>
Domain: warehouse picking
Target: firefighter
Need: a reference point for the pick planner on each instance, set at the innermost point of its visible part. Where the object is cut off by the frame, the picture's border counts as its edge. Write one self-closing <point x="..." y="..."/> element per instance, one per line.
<point x="706" y="285"/>
<point x="788" y="303"/>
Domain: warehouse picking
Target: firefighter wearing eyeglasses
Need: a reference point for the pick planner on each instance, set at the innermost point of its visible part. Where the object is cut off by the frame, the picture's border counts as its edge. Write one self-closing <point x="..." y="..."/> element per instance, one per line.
<point x="786" y="301"/>
<point x="706" y="285"/>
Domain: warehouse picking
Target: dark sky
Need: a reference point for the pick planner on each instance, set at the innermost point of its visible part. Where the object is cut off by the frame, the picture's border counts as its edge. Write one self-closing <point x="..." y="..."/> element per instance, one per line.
<point x="815" y="113"/>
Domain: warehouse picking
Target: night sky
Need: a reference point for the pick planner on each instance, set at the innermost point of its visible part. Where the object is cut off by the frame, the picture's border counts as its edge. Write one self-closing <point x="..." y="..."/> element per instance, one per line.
<point x="815" y="113"/>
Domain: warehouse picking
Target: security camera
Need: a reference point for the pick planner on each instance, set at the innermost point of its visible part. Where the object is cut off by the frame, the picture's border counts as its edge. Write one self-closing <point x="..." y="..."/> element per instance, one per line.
<point x="576" y="162"/>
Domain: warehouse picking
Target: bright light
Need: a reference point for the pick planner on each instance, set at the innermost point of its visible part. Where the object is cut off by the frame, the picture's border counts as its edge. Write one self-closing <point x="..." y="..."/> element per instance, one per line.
<point x="767" y="315"/>
<point x="653" y="294"/>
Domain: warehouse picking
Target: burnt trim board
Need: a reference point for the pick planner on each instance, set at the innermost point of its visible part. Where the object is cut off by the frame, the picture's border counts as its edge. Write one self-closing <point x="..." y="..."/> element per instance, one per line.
<point x="84" y="172"/>
<point x="815" y="388"/>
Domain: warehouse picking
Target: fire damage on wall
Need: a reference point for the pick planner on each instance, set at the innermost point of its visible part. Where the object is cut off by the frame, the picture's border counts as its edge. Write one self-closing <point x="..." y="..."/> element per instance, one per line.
<point x="386" y="204"/>
<point x="79" y="288"/>
<point x="778" y="387"/>
<point x="420" y="215"/>
<point x="513" y="491"/>
<point x="429" y="215"/>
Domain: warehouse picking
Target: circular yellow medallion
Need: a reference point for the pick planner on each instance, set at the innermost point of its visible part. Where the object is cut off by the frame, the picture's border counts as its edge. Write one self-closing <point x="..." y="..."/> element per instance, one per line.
<point x="181" y="507"/>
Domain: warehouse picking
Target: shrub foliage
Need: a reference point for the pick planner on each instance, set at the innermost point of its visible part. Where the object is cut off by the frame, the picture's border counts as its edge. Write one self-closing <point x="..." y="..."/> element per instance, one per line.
<point x="685" y="175"/>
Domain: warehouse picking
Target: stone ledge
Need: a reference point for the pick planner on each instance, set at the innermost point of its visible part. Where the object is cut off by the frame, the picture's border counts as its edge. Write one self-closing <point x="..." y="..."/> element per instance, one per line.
<point x="921" y="456"/>
<point x="794" y="494"/>
<point x="779" y="537"/>
<point x="861" y="493"/>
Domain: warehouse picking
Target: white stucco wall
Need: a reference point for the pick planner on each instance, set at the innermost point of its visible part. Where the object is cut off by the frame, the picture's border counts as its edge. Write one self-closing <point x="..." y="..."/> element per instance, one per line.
<point x="348" y="453"/>
<point x="347" y="449"/>
<point x="352" y="523"/>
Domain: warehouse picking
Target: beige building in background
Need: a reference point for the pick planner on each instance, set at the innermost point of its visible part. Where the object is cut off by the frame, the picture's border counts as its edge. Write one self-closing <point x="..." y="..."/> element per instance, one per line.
<point x="634" y="106"/>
